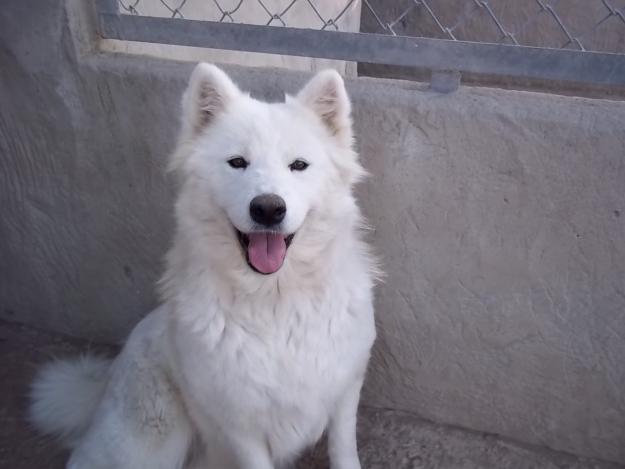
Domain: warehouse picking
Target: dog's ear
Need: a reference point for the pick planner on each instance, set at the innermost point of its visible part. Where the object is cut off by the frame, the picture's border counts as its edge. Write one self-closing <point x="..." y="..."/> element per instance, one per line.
<point x="210" y="91"/>
<point x="325" y="94"/>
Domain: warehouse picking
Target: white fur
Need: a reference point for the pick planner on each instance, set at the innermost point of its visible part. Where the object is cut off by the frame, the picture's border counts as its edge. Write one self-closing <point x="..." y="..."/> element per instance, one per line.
<point x="66" y="394"/>
<point x="237" y="369"/>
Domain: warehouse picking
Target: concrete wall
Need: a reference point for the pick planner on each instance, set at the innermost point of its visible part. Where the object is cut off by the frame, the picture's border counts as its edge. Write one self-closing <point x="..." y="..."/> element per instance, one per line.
<point x="500" y="217"/>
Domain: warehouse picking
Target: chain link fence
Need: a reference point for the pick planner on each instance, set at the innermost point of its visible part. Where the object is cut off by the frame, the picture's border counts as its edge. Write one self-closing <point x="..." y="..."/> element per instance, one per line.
<point x="533" y="41"/>
<point x="267" y="12"/>
<point x="586" y="25"/>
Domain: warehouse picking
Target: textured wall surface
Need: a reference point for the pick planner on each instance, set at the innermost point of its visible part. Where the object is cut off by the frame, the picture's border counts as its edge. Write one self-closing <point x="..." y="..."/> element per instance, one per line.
<point x="499" y="215"/>
<point x="501" y="223"/>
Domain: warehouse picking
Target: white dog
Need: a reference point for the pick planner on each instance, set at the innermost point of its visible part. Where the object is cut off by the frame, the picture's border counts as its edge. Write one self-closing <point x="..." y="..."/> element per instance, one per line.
<point x="267" y="323"/>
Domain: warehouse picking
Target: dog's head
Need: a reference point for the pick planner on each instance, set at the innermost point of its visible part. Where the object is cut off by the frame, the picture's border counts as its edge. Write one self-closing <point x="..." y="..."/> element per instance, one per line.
<point x="262" y="180"/>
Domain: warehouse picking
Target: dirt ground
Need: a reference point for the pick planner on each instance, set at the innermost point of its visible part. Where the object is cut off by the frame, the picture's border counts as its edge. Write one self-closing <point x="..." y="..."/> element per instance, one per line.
<point x="387" y="439"/>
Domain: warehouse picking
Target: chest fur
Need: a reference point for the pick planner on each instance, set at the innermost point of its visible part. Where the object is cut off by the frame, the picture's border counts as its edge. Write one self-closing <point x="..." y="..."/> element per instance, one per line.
<point x="277" y="363"/>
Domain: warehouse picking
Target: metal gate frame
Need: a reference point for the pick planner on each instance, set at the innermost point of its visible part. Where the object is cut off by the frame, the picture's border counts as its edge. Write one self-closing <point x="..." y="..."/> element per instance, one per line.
<point x="593" y="68"/>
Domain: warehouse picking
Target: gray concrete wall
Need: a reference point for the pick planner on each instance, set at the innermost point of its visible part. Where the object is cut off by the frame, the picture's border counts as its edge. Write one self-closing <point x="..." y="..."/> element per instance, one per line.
<point x="500" y="217"/>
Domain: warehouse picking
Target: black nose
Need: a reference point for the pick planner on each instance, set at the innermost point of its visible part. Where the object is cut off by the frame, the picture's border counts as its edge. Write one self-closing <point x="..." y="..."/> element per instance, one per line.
<point x="267" y="209"/>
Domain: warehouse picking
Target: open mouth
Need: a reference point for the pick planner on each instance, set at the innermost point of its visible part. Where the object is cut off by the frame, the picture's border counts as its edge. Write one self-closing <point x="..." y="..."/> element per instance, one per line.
<point x="265" y="251"/>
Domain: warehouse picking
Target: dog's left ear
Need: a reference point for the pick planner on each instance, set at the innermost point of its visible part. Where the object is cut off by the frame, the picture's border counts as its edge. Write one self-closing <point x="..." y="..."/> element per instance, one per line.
<point x="209" y="93"/>
<point x="325" y="94"/>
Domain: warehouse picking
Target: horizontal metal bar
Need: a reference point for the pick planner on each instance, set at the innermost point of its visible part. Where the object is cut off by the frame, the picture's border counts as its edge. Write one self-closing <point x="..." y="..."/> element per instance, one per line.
<point x="436" y="54"/>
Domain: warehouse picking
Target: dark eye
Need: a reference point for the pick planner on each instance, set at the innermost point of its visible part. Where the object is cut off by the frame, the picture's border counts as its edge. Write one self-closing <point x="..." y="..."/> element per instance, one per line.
<point x="298" y="165"/>
<point x="238" y="162"/>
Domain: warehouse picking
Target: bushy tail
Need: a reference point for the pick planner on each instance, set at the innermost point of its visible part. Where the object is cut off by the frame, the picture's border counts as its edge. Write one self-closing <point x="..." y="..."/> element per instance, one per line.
<point x="65" y="394"/>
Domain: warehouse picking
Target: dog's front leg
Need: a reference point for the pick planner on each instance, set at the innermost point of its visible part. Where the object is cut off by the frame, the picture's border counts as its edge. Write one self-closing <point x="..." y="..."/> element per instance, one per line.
<point x="251" y="454"/>
<point x="342" y="446"/>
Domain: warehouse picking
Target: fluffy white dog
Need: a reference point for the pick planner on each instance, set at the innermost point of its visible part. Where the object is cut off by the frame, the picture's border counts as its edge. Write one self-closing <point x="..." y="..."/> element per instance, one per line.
<point x="265" y="331"/>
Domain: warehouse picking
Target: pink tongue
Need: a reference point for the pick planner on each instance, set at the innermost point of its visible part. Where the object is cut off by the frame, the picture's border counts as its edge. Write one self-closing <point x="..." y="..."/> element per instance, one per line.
<point x="266" y="251"/>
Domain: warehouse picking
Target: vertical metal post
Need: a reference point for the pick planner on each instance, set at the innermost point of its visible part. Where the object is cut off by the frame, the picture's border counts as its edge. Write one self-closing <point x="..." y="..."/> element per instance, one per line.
<point x="105" y="8"/>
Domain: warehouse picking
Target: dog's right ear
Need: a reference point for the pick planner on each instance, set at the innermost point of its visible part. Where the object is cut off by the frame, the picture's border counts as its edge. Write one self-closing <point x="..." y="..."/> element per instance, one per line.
<point x="210" y="91"/>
